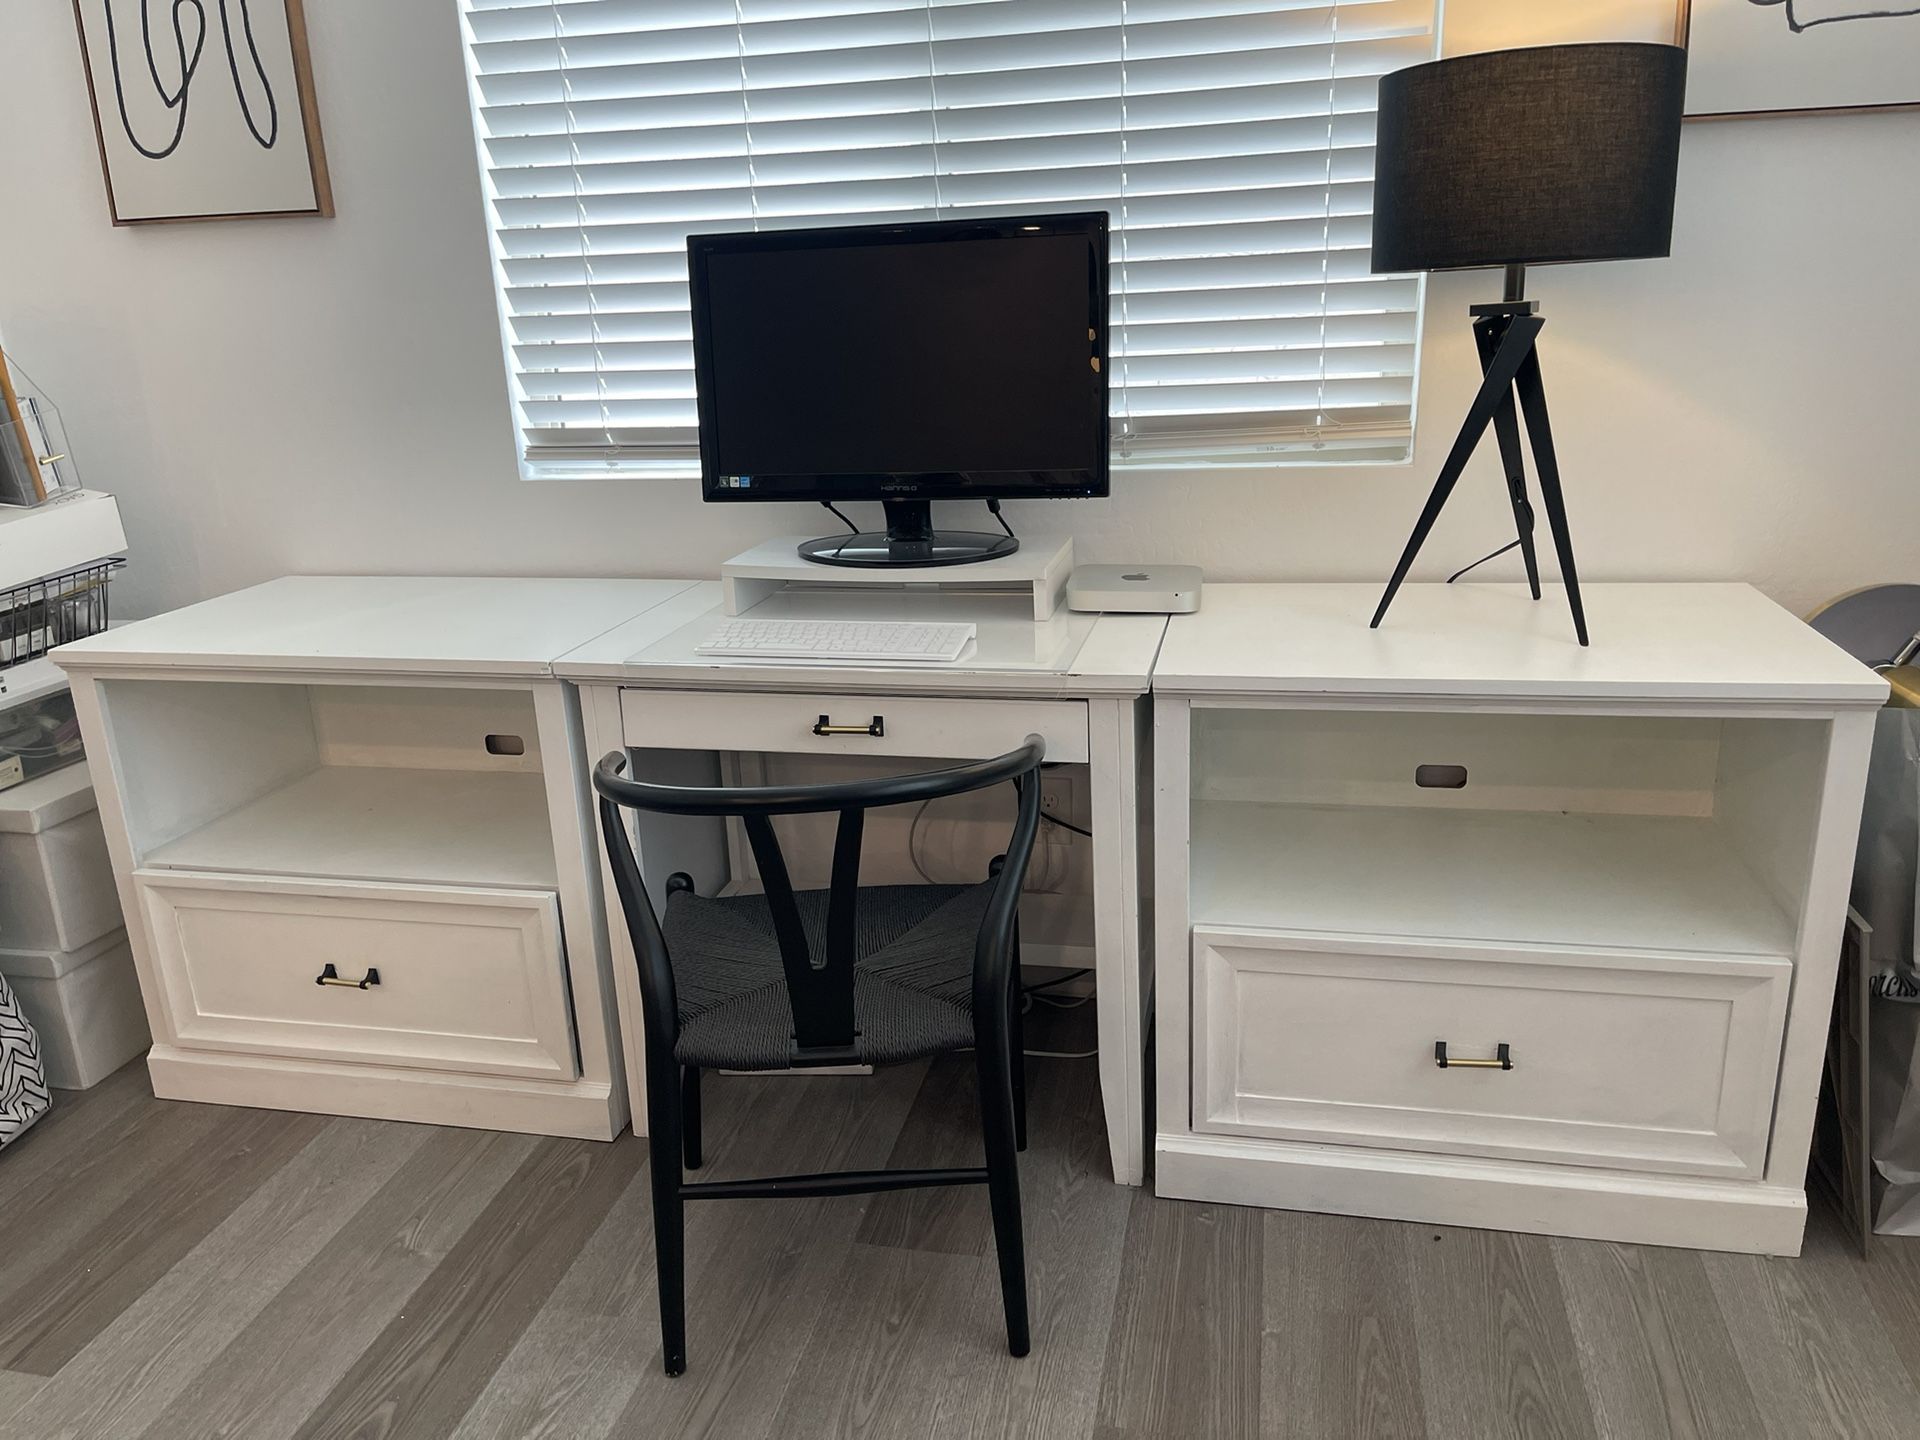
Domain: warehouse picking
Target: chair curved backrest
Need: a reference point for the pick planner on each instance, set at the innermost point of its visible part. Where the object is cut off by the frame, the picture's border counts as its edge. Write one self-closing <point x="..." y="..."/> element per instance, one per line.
<point x="819" y="988"/>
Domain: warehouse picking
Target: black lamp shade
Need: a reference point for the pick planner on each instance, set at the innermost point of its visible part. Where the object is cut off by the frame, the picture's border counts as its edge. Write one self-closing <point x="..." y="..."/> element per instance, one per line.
<point x="1521" y="157"/>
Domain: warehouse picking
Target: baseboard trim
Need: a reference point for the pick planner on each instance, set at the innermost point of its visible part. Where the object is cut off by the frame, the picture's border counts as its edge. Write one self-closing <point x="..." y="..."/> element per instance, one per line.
<point x="1746" y="1217"/>
<point x="580" y="1109"/>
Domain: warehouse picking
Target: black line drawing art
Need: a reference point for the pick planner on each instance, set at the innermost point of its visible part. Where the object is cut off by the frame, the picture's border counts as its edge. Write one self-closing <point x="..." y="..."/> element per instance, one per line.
<point x="1752" y="58"/>
<point x="186" y="59"/>
<point x="155" y="87"/>
<point x="1804" y="15"/>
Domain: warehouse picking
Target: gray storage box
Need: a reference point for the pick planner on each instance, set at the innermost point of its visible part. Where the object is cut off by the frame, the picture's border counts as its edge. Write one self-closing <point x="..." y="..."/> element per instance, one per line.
<point x="63" y="944"/>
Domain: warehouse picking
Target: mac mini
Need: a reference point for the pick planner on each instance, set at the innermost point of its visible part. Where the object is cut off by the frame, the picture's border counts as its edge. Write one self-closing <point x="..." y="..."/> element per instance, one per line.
<point x="1135" y="589"/>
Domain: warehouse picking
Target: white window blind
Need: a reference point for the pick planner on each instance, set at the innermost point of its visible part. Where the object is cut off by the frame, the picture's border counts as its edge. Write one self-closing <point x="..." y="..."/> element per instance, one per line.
<point x="1230" y="141"/>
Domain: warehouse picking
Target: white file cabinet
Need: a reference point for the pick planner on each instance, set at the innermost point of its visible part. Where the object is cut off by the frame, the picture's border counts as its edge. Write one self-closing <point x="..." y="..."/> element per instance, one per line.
<point x="1462" y="923"/>
<point x="349" y="826"/>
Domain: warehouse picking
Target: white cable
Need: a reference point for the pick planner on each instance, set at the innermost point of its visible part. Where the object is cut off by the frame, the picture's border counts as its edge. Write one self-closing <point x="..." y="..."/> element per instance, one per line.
<point x="1044" y="885"/>
<point x="1048" y="881"/>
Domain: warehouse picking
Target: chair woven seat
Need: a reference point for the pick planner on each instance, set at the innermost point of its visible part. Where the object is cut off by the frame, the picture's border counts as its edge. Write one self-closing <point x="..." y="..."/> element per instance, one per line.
<point x="912" y="988"/>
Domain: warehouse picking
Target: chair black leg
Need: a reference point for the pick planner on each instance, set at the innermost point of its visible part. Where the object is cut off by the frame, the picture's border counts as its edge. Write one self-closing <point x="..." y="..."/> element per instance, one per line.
<point x="1017" y="1027"/>
<point x="690" y="1114"/>
<point x="669" y="1217"/>
<point x="992" y="1063"/>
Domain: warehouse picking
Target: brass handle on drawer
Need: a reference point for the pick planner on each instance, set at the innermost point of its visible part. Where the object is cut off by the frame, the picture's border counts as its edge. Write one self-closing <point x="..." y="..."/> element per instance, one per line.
<point x="875" y="727"/>
<point x="330" y="976"/>
<point x="1502" y="1058"/>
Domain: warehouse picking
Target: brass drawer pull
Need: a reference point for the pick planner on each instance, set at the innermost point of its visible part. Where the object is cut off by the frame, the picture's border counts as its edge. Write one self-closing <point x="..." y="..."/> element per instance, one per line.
<point x="330" y="976"/>
<point x="1502" y="1058"/>
<point x="875" y="727"/>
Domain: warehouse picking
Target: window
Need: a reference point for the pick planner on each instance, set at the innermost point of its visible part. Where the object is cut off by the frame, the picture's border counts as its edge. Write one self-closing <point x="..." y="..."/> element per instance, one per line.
<point x="1229" y="140"/>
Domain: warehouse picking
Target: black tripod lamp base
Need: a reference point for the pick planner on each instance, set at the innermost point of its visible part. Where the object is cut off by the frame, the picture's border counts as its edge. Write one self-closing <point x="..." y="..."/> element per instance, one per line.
<point x="1510" y="389"/>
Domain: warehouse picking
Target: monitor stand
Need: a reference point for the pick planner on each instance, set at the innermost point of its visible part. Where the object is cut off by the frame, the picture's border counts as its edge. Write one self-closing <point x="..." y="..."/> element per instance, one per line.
<point x="776" y="566"/>
<point x="909" y="539"/>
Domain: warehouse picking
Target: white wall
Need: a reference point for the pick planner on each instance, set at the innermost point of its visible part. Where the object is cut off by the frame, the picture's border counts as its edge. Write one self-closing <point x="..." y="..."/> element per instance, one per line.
<point x="313" y="395"/>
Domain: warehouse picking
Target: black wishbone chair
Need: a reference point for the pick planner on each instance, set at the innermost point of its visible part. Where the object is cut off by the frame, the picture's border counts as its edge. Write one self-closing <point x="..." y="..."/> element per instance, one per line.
<point x="789" y="979"/>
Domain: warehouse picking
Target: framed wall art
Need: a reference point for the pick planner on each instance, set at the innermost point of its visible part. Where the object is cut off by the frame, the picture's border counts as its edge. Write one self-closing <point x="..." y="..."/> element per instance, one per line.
<point x="204" y="109"/>
<point x="1770" y="57"/>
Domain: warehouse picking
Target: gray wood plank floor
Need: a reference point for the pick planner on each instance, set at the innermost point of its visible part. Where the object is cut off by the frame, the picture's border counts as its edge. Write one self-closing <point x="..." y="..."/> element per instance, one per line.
<point x="192" y="1271"/>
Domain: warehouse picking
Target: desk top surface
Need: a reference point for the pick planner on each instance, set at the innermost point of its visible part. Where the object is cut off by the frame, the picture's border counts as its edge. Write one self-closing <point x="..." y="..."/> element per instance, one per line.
<point x="625" y="631"/>
<point x="1707" y="642"/>
<point x="403" y="624"/>
<point x="1071" y="655"/>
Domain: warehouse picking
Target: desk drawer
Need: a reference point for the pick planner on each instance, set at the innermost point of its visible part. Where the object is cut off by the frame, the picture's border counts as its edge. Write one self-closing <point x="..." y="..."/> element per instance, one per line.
<point x="468" y="980"/>
<point x="935" y="727"/>
<point x="1629" y="1060"/>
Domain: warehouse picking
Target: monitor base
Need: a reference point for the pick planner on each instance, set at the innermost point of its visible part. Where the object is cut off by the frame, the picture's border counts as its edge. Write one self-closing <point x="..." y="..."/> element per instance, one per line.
<point x="909" y="540"/>
<point x="876" y="548"/>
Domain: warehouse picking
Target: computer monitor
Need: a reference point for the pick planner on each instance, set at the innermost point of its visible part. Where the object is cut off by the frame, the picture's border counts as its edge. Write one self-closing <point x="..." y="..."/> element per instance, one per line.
<point x="950" y="360"/>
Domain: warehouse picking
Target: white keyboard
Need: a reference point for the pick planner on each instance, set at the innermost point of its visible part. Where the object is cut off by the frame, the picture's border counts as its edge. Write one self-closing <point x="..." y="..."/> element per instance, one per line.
<point x="855" y="640"/>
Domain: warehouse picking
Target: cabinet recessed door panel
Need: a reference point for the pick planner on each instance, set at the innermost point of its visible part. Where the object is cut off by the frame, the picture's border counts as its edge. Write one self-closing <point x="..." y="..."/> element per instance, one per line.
<point x="447" y="978"/>
<point x="1632" y="1060"/>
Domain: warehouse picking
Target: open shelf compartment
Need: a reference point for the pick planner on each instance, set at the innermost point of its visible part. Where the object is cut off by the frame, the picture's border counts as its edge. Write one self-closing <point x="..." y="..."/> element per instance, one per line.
<point x="945" y="842"/>
<point x="1621" y="832"/>
<point x="424" y="785"/>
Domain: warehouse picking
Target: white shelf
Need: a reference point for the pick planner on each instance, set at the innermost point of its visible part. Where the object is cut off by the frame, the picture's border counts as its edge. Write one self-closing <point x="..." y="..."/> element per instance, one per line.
<point x="1038" y="569"/>
<point x="63" y="534"/>
<point x="343" y="822"/>
<point x="1626" y="881"/>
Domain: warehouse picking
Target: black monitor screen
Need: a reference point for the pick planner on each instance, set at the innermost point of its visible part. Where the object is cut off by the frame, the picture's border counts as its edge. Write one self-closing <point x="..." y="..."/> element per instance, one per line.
<point x="909" y="360"/>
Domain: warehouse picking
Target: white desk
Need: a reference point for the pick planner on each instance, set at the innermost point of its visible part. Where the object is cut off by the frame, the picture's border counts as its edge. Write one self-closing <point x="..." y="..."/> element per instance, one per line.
<point x="1626" y="865"/>
<point x="1080" y="680"/>
<point x="305" y="773"/>
<point x="364" y="772"/>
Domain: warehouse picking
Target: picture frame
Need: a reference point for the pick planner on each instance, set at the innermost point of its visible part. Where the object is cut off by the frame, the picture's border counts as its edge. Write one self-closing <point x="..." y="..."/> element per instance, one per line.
<point x="204" y="112"/>
<point x="1752" y="58"/>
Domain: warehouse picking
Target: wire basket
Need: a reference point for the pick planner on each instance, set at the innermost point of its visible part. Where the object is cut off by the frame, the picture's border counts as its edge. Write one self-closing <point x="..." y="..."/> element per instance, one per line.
<point x="44" y="613"/>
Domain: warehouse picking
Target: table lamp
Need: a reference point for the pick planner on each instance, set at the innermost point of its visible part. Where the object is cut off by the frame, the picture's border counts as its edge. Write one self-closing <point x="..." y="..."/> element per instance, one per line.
<point x="1515" y="158"/>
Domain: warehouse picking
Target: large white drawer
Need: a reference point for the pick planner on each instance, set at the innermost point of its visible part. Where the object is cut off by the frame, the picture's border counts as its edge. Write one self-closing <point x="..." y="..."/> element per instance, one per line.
<point x="936" y="727"/>
<point x="1634" y="1060"/>
<point x="469" y="979"/>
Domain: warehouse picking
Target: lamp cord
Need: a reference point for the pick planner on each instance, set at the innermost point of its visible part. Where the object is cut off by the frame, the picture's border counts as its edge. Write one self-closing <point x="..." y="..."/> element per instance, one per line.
<point x="1510" y="545"/>
<point x="1065" y="824"/>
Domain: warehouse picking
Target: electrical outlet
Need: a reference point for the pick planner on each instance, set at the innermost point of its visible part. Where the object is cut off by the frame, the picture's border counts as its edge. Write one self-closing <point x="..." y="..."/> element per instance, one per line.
<point x="1056" y="798"/>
